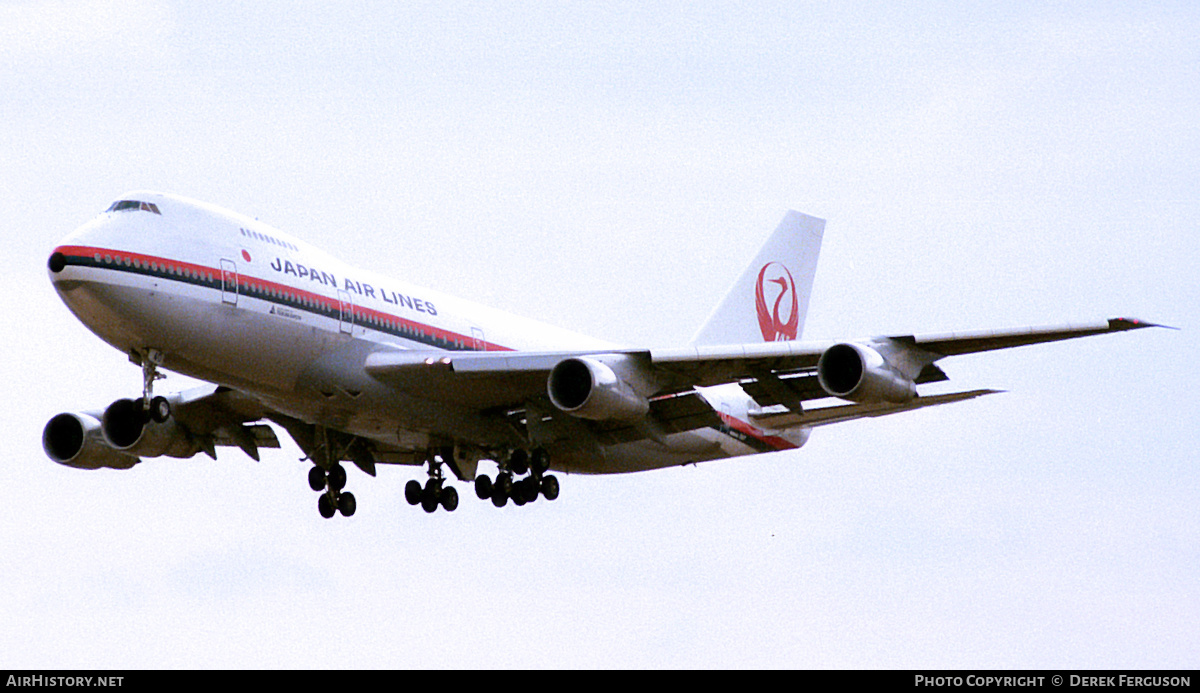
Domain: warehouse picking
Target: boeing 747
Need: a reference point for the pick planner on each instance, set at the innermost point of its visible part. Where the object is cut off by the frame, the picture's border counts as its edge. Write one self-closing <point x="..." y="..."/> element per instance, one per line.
<point x="371" y="370"/>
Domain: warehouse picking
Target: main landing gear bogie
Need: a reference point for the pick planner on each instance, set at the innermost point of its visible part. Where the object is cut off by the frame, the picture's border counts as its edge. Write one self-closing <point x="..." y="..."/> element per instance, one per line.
<point x="431" y="495"/>
<point x="520" y="491"/>
<point x="521" y="478"/>
<point x="330" y="484"/>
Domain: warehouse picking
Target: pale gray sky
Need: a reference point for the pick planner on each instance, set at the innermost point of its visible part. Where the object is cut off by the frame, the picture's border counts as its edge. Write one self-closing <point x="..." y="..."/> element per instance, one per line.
<point x="611" y="169"/>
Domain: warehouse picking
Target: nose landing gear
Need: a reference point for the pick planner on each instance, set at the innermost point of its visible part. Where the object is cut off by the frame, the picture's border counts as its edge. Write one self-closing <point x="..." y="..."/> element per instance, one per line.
<point x="156" y="409"/>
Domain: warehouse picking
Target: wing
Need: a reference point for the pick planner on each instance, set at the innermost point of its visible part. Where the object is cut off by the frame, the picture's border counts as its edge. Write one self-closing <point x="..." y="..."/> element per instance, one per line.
<point x="218" y="416"/>
<point x="497" y="379"/>
<point x="715" y="365"/>
<point x="774" y="373"/>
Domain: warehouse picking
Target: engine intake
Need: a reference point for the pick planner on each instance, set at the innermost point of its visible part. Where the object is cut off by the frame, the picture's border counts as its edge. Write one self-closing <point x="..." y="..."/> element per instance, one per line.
<point x="590" y="389"/>
<point x="860" y="374"/>
<point x="129" y="429"/>
<point x="75" y="440"/>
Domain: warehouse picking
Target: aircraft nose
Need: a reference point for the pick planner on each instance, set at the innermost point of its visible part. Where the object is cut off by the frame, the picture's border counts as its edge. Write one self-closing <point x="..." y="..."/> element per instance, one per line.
<point x="58" y="262"/>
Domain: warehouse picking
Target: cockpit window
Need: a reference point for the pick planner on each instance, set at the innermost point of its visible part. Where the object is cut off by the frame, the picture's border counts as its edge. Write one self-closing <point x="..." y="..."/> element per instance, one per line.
<point x="133" y="205"/>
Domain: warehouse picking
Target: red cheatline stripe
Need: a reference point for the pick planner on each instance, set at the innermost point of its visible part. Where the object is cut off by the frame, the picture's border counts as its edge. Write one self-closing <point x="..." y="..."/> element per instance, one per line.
<point x="362" y="314"/>
<point x="773" y="441"/>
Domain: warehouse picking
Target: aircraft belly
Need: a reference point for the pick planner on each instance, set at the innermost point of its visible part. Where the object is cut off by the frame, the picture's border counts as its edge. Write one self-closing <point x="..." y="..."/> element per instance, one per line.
<point x="339" y="393"/>
<point x="641" y="455"/>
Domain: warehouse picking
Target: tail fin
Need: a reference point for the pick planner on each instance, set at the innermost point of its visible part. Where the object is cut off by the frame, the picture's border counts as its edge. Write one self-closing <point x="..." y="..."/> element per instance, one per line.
<point x="768" y="303"/>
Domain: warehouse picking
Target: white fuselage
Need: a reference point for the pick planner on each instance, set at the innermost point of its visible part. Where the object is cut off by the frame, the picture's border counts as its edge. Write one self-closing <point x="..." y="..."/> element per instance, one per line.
<point x="235" y="302"/>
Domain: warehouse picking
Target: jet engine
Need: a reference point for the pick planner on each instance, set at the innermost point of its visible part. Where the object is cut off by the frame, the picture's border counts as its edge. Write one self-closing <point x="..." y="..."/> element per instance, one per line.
<point x="75" y="440"/>
<point x="591" y="389"/>
<point x="861" y="374"/>
<point x="127" y="428"/>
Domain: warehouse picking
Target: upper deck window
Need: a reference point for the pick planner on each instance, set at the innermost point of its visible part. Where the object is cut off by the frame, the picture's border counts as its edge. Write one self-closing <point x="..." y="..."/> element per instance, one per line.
<point x="133" y="205"/>
<point x="267" y="238"/>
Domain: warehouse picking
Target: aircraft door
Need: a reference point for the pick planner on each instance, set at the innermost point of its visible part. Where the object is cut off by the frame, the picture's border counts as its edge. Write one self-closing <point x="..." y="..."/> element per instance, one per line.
<point x="345" y="312"/>
<point x="229" y="282"/>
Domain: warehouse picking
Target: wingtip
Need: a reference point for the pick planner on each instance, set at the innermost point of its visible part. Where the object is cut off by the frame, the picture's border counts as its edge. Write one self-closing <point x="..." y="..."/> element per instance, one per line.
<point x="1119" y="324"/>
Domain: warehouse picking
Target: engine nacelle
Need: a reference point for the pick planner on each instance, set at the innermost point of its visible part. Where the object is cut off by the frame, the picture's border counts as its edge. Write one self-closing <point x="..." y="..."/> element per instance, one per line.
<point x="590" y="389"/>
<point x="75" y="440"/>
<point x="860" y="374"/>
<point x="127" y="429"/>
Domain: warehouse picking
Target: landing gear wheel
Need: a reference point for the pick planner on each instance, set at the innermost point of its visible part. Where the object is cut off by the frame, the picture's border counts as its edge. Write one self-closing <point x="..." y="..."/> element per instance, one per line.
<point x="346" y="504"/>
<point x="503" y="486"/>
<point x="449" y="498"/>
<point x="483" y="487"/>
<point x="518" y="462"/>
<point x="532" y="489"/>
<point x="550" y="487"/>
<point x="316" y="479"/>
<point x="337" y="477"/>
<point x="412" y="492"/>
<point x="325" y="506"/>
<point x="431" y="494"/>
<point x="499" y="497"/>
<point x="160" y="409"/>
<point x="539" y="462"/>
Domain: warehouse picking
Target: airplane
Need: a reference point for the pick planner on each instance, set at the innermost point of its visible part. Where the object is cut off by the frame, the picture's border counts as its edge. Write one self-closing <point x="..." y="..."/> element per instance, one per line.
<point x="370" y="370"/>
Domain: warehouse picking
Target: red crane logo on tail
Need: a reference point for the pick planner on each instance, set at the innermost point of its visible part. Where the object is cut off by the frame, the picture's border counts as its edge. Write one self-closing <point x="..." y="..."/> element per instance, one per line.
<point x="773" y="327"/>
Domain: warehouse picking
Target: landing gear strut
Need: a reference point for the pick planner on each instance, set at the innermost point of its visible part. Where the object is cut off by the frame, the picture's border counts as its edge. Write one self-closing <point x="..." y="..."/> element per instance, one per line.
<point x="156" y="409"/>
